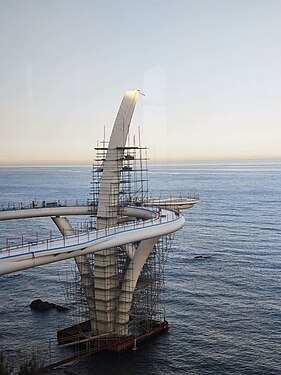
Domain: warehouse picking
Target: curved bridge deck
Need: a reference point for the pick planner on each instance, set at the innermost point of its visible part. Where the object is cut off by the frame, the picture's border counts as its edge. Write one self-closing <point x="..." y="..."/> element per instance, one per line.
<point x="43" y="252"/>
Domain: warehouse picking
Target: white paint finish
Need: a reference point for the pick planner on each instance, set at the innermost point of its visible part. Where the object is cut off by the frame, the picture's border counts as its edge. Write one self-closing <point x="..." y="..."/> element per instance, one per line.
<point x="129" y="284"/>
<point x="106" y="266"/>
<point x="173" y="203"/>
<point x="102" y="298"/>
<point x="63" y="225"/>
<point x="108" y="196"/>
<point x="129" y="249"/>
<point x="66" y="211"/>
<point x="44" y="212"/>
<point x="90" y="242"/>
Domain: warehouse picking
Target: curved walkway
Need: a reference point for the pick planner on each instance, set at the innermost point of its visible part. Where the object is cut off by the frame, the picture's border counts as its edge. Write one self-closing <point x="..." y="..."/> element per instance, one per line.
<point x="38" y="253"/>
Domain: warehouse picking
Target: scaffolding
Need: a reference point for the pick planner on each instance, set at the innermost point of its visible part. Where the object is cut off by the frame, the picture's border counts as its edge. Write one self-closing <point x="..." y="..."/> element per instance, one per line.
<point x="148" y="305"/>
<point x="146" y="308"/>
<point x="132" y="174"/>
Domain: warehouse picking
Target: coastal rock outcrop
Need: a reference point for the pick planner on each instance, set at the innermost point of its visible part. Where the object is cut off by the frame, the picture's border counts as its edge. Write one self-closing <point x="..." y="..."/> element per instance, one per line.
<point x="40" y="305"/>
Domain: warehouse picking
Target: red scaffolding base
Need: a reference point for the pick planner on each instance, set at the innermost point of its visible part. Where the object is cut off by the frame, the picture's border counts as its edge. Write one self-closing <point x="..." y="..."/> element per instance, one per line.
<point x="78" y="335"/>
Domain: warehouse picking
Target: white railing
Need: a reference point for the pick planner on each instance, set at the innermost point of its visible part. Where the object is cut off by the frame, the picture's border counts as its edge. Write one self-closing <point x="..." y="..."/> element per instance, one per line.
<point x="81" y="237"/>
<point x="173" y="198"/>
<point x="10" y="206"/>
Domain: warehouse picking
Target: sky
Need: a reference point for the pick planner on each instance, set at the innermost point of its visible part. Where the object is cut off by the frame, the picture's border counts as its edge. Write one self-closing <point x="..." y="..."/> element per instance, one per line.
<point x="210" y="72"/>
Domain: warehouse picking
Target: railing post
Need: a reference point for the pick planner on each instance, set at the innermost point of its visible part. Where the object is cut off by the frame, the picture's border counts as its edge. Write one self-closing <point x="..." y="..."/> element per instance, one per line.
<point x="47" y="244"/>
<point x="7" y="246"/>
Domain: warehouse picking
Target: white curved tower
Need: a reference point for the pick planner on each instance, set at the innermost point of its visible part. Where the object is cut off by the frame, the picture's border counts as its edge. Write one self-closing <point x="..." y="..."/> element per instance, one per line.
<point x="106" y="268"/>
<point x="124" y="223"/>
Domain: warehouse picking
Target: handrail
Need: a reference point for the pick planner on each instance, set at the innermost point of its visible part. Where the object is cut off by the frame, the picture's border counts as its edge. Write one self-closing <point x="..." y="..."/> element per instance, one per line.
<point x="89" y="235"/>
<point x="11" y="206"/>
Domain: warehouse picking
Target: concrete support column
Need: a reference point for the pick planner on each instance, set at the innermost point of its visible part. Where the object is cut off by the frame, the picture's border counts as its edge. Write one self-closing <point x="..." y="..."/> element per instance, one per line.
<point x="106" y="289"/>
<point x="129" y="249"/>
<point x="106" y="266"/>
<point x="85" y="270"/>
<point x="129" y="284"/>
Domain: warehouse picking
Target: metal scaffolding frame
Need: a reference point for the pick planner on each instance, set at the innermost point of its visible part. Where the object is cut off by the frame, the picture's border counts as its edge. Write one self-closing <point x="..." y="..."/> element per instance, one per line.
<point x="146" y="303"/>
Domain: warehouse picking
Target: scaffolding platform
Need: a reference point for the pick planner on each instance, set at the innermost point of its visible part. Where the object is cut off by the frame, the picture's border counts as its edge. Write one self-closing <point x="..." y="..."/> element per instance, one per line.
<point x="86" y="347"/>
<point x="78" y="334"/>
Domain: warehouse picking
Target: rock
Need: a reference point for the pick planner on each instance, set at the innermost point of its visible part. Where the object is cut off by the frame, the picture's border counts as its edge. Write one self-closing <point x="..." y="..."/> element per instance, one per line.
<point x="40" y="305"/>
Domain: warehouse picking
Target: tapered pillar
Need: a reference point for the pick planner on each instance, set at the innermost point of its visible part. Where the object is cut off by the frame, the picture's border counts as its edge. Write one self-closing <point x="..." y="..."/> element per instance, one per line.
<point x="106" y="267"/>
<point x="85" y="270"/>
<point x="129" y="284"/>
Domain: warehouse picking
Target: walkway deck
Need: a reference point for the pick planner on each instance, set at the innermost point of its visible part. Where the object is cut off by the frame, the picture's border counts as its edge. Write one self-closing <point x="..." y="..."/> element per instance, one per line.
<point x="43" y="252"/>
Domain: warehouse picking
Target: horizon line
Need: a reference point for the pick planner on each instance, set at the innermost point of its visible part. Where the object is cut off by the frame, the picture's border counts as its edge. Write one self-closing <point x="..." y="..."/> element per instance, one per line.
<point x="159" y="161"/>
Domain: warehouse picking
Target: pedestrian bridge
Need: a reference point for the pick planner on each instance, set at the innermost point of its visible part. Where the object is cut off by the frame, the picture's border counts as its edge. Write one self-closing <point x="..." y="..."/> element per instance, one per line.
<point x="149" y="222"/>
<point x="127" y="223"/>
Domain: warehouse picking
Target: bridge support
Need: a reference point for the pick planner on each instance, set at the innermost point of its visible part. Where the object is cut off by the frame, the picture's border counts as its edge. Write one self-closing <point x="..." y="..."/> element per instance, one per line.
<point x="106" y="267"/>
<point x="129" y="284"/>
<point x="105" y="298"/>
<point x="105" y="283"/>
<point x="85" y="270"/>
<point x="118" y="306"/>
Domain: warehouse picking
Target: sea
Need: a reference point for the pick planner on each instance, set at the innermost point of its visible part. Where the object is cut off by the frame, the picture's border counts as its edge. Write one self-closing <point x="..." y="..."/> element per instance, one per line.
<point x="223" y="273"/>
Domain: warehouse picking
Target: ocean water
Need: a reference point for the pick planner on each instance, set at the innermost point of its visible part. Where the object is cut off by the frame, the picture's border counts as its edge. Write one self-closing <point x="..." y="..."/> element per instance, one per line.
<point x="224" y="310"/>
